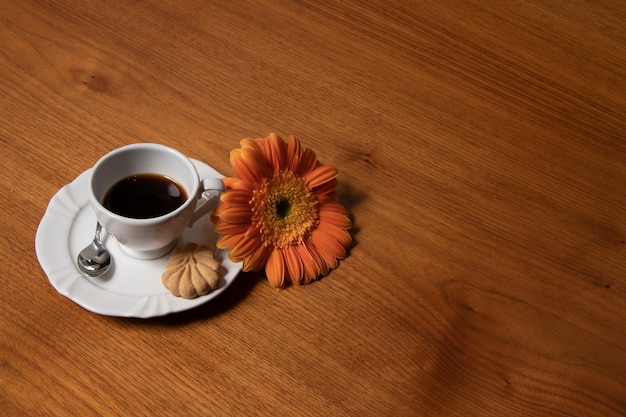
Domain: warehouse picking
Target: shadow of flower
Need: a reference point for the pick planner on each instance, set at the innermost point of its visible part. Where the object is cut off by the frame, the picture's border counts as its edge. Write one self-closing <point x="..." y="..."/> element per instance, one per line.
<point x="351" y="197"/>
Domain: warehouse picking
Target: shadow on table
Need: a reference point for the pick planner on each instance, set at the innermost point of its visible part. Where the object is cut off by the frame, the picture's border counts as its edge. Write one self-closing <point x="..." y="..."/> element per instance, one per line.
<point x="351" y="198"/>
<point x="236" y="292"/>
<point x="239" y="289"/>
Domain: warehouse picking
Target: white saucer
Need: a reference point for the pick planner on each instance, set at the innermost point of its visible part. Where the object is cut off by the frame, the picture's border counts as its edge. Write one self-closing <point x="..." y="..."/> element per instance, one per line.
<point x="132" y="288"/>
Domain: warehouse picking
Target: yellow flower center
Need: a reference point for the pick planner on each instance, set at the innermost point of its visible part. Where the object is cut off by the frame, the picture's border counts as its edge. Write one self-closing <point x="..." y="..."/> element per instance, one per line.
<point x="284" y="210"/>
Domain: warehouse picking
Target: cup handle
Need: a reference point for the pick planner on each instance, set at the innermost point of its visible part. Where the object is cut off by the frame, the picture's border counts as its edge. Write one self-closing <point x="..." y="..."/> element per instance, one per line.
<point x="211" y="189"/>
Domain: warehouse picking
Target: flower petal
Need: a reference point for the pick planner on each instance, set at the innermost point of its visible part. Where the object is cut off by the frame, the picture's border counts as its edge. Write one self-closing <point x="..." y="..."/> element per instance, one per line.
<point x="295" y="268"/>
<point x="227" y="242"/>
<point x="308" y="162"/>
<point x="250" y="143"/>
<point x="327" y="192"/>
<point x="334" y="213"/>
<point x="225" y="228"/>
<point x="245" y="246"/>
<point x="317" y="258"/>
<point x="328" y="247"/>
<point x="215" y="216"/>
<point x="257" y="259"/>
<point x="275" y="269"/>
<point x="310" y="268"/>
<point x="294" y="152"/>
<point x="236" y="197"/>
<point x="253" y="157"/>
<point x="231" y="183"/>
<point x="340" y="235"/>
<point x="320" y="175"/>
<point x="235" y="214"/>
<point x="278" y="150"/>
<point x="246" y="166"/>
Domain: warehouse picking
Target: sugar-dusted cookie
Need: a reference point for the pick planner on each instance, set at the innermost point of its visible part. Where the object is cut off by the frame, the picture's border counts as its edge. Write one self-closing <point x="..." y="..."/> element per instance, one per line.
<point x="191" y="271"/>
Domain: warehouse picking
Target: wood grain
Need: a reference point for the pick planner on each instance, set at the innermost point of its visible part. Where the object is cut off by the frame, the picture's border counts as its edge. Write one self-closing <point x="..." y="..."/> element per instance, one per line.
<point x="482" y="157"/>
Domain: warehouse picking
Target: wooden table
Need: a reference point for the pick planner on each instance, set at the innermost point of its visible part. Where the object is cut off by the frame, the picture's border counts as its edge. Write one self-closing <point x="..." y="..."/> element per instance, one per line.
<point x="481" y="149"/>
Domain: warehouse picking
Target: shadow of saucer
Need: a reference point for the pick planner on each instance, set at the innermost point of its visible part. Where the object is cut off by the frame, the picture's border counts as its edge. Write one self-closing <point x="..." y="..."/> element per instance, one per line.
<point x="236" y="292"/>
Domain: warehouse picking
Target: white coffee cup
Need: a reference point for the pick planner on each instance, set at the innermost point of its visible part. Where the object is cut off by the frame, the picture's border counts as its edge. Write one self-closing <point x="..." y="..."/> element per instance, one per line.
<point x="149" y="238"/>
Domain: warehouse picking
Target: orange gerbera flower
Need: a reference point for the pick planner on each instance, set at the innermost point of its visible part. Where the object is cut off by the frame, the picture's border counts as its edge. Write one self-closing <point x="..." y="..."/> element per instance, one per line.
<point x="281" y="212"/>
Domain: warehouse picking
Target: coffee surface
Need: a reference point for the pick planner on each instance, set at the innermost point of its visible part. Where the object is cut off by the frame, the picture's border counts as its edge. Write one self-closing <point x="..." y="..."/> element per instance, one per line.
<point x="144" y="196"/>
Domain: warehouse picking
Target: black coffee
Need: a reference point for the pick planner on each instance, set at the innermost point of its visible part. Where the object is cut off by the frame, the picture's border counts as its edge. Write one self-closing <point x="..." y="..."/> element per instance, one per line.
<point x="143" y="196"/>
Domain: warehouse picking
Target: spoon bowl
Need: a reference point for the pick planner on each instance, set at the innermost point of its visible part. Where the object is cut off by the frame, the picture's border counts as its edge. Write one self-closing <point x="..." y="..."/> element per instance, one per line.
<point x="94" y="260"/>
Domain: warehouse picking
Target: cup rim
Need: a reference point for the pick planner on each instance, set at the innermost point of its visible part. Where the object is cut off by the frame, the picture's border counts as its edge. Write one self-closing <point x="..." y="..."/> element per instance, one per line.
<point x="150" y="220"/>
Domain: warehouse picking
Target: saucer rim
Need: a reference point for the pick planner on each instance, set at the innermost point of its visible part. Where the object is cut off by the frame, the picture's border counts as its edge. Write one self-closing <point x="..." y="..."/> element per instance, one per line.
<point x="57" y="261"/>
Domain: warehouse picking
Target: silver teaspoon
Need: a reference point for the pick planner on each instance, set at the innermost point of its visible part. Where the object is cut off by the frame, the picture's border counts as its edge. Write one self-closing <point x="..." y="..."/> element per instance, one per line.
<point x="94" y="260"/>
